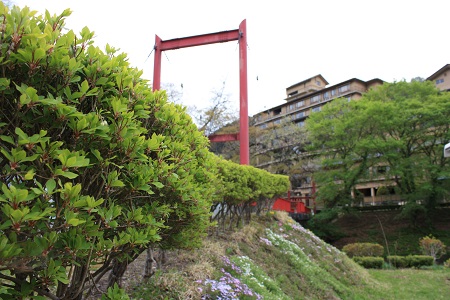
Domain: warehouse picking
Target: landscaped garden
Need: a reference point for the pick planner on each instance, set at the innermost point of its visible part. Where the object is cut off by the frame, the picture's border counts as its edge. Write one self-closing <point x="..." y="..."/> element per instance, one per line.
<point x="109" y="191"/>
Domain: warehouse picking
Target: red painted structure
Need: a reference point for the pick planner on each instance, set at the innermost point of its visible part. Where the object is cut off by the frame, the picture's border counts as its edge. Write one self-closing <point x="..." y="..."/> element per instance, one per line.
<point x="212" y="38"/>
<point x="291" y="206"/>
<point x="295" y="205"/>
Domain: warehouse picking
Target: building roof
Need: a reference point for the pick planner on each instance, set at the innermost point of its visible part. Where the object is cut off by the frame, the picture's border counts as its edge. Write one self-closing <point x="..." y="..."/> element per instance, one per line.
<point x="374" y="80"/>
<point x="438" y="72"/>
<point x="336" y="85"/>
<point x="306" y="80"/>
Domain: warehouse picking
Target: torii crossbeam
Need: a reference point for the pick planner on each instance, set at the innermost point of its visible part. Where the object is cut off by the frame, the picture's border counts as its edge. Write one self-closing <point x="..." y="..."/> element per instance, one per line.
<point x="212" y="38"/>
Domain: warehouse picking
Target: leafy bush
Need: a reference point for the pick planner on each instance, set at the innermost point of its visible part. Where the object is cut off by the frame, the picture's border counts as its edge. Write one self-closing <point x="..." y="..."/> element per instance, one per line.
<point x="320" y="224"/>
<point x="410" y="261"/>
<point x="369" y="262"/>
<point x="398" y="261"/>
<point x="115" y="293"/>
<point x="363" y="249"/>
<point x="95" y="166"/>
<point x="242" y="189"/>
<point x="413" y="212"/>
<point x="432" y="246"/>
<point x="417" y="261"/>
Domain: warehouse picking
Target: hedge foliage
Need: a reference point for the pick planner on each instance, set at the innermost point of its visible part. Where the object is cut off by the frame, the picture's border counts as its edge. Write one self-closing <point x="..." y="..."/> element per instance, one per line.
<point x="243" y="190"/>
<point x="411" y="261"/>
<point x="369" y="262"/>
<point x="95" y="166"/>
<point x="363" y="249"/>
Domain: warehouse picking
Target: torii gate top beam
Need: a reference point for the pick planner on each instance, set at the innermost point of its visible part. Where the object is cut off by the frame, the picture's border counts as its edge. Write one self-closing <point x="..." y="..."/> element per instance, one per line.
<point x="199" y="40"/>
<point x="212" y="38"/>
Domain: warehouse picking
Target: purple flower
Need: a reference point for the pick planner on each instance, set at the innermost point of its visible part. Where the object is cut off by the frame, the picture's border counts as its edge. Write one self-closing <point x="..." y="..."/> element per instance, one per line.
<point x="266" y="241"/>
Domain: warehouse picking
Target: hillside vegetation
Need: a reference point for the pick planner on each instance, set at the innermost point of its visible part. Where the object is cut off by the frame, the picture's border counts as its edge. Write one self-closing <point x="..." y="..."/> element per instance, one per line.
<point x="271" y="258"/>
<point x="402" y="236"/>
<point x="275" y="258"/>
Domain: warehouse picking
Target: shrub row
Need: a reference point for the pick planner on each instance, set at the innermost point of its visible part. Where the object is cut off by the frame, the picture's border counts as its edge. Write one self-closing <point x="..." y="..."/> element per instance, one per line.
<point x="369" y="262"/>
<point x="363" y="249"/>
<point x="410" y="261"/>
<point x="242" y="189"/>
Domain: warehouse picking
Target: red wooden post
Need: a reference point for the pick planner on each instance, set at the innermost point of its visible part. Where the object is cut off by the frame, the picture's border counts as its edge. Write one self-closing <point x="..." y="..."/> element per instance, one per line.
<point x="313" y="195"/>
<point x="243" y="111"/>
<point x="157" y="64"/>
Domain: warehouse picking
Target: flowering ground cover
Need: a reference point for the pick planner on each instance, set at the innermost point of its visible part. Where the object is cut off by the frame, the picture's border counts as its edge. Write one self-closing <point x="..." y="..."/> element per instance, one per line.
<point x="276" y="258"/>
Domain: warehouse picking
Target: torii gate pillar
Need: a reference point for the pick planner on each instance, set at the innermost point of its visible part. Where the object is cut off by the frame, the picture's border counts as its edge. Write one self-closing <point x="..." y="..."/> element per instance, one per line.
<point x="212" y="38"/>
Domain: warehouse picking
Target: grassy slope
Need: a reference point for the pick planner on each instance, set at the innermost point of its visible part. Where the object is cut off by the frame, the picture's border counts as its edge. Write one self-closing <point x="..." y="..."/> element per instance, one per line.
<point x="273" y="257"/>
<point x="277" y="259"/>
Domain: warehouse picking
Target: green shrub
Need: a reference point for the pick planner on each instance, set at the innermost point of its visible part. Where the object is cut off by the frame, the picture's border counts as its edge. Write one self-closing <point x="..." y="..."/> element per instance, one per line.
<point x="414" y="212"/>
<point x="115" y="293"/>
<point x="410" y="261"/>
<point x="363" y="249"/>
<point x="432" y="246"/>
<point x="398" y="261"/>
<point x="417" y="261"/>
<point x="94" y="165"/>
<point x="369" y="262"/>
<point x="320" y="224"/>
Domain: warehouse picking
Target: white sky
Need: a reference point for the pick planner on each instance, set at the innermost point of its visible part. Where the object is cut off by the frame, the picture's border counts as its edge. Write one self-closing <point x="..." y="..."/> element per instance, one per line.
<point x="288" y="41"/>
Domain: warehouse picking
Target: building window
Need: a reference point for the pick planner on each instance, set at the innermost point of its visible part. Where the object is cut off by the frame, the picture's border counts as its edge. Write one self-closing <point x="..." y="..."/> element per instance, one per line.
<point x="293" y="93"/>
<point x="300" y="104"/>
<point x="291" y="107"/>
<point x="277" y="111"/>
<point x="439" y="81"/>
<point x="277" y="121"/>
<point x="298" y="115"/>
<point x="263" y="126"/>
<point x="344" y="88"/>
<point x="349" y="98"/>
<point x="301" y="124"/>
<point x="333" y="93"/>
<point x="326" y="96"/>
<point x="315" y="99"/>
<point x="318" y="82"/>
<point x="381" y="170"/>
<point x="316" y="109"/>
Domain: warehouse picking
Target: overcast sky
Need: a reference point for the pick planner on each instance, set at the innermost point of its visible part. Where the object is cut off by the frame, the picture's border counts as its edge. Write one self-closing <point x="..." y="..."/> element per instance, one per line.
<point x="288" y="41"/>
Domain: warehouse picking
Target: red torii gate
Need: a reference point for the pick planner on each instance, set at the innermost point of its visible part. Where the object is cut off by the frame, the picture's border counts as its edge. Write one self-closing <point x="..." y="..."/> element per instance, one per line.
<point x="212" y="38"/>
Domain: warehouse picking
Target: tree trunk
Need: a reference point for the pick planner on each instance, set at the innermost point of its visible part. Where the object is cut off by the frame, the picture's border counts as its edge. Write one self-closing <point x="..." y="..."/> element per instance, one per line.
<point x="116" y="274"/>
<point x="149" y="263"/>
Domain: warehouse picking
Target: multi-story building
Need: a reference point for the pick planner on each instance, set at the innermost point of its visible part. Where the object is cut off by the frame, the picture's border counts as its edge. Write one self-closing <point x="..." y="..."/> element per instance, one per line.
<point x="309" y="96"/>
<point x="302" y="99"/>
<point x="440" y="78"/>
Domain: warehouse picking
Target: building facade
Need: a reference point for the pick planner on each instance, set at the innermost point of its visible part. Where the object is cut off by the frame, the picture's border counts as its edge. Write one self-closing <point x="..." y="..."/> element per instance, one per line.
<point x="309" y="96"/>
<point x="302" y="99"/>
<point x="440" y="78"/>
<point x="306" y="97"/>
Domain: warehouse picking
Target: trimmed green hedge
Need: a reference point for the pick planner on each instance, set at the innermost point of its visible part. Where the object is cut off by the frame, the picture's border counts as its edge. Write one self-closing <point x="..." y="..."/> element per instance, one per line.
<point x="369" y="262"/>
<point x="363" y="249"/>
<point x="410" y="261"/>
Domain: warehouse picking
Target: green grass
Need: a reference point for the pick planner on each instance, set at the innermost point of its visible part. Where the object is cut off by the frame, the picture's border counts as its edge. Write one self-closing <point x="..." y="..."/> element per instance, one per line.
<point x="408" y="284"/>
<point x="277" y="259"/>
